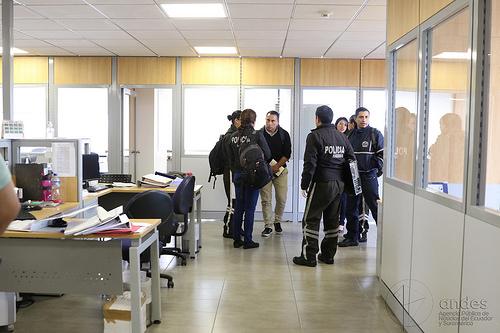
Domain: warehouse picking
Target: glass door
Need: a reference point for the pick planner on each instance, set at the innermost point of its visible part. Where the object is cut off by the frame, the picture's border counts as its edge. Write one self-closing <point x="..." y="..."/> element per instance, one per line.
<point x="128" y="130"/>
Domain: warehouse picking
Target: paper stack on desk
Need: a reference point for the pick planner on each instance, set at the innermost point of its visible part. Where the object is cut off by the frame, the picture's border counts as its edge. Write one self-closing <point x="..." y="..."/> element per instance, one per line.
<point x="104" y="221"/>
<point x="151" y="180"/>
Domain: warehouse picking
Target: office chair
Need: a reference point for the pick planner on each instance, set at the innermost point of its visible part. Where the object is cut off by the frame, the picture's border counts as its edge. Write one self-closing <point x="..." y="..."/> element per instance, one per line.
<point x="152" y="204"/>
<point x="183" y="203"/>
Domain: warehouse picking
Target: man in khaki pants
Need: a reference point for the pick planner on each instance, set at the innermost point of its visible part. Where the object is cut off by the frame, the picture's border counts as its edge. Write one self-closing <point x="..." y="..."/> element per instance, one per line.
<point x="279" y="142"/>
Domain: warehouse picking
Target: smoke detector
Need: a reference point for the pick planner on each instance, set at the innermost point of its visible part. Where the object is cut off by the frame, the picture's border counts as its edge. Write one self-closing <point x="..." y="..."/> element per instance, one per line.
<point x="325" y="14"/>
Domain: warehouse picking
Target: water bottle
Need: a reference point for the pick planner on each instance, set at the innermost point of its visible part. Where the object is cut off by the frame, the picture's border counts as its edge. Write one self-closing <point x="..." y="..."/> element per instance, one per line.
<point x="56" y="189"/>
<point x="50" y="130"/>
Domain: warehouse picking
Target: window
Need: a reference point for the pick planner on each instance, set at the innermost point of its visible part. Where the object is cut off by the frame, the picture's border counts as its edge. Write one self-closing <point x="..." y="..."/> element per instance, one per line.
<point x="449" y="59"/>
<point x="375" y="101"/>
<point x="83" y="113"/>
<point x="30" y="106"/>
<point x="404" y="112"/>
<point x="492" y="179"/>
<point x="205" y="116"/>
<point x="342" y="101"/>
<point x="264" y="100"/>
<point x="164" y="123"/>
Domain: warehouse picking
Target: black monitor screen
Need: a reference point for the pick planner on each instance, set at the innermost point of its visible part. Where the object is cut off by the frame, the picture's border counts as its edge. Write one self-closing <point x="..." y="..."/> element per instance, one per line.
<point x="91" y="167"/>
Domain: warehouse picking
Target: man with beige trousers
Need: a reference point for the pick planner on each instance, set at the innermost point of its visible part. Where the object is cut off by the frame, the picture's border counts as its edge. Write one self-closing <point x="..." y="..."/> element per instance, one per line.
<point x="280" y="144"/>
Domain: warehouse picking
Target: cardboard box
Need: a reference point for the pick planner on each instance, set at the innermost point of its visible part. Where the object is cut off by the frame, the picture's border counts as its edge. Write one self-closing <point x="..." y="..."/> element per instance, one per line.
<point x="118" y="316"/>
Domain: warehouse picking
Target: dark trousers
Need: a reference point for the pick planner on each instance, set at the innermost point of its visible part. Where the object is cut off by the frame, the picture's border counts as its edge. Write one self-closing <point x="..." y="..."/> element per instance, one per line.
<point x="246" y="201"/>
<point x="369" y="184"/>
<point x="343" y="207"/>
<point x="323" y="200"/>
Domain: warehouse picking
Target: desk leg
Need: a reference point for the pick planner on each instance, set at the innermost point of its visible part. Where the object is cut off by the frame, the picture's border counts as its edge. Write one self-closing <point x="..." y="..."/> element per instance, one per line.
<point x="198" y="218"/>
<point x="155" y="282"/>
<point x="192" y="235"/>
<point x="135" y="287"/>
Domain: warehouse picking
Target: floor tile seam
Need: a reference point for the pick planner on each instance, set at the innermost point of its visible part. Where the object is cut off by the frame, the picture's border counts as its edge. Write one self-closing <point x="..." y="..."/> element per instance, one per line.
<point x="291" y="281"/>
<point x="218" y="305"/>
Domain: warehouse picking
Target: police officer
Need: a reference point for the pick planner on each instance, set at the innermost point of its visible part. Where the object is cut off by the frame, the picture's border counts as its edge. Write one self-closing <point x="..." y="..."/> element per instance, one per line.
<point x="326" y="156"/>
<point x="368" y="144"/>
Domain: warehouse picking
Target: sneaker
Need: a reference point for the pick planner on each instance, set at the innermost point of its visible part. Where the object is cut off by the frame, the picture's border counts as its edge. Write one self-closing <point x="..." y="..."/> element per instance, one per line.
<point x="303" y="262"/>
<point x="277" y="228"/>
<point x="324" y="259"/>
<point x="267" y="232"/>
<point x="250" y="245"/>
<point x="237" y="244"/>
<point x="362" y="237"/>
<point x="348" y="242"/>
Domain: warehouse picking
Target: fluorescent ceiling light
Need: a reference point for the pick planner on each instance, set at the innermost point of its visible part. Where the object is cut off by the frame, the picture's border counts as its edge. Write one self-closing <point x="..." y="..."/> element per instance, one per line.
<point x="216" y="49"/>
<point x="194" y="10"/>
<point x="15" y="50"/>
<point x="453" y="55"/>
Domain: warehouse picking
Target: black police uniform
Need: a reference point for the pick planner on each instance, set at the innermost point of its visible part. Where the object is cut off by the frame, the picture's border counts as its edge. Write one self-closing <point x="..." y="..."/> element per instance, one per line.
<point x="368" y="144"/>
<point x="228" y="217"/>
<point x="325" y="159"/>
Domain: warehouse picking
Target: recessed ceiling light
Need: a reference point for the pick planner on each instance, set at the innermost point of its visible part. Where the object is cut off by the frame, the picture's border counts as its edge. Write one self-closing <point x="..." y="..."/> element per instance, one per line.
<point x="453" y="55"/>
<point x="15" y="50"/>
<point x="216" y="49"/>
<point x="194" y="10"/>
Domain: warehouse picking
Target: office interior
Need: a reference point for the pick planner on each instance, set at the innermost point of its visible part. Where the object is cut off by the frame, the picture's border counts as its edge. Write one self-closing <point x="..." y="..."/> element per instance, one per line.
<point x="125" y="76"/>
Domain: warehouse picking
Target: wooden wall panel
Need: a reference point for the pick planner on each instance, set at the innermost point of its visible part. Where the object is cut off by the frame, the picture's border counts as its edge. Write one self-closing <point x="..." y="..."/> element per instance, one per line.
<point x="82" y="70"/>
<point x="30" y="70"/>
<point x="373" y="74"/>
<point x="402" y="16"/>
<point x="267" y="71"/>
<point x="329" y="72"/>
<point x="146" y="70"/>
<point x="449" y="76"/>
<point x="211" y="71"/>
<point x="431" y="7"/>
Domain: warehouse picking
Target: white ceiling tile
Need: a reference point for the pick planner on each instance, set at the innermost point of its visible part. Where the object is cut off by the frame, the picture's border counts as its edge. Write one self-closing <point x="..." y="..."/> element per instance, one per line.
<point x="373" y="13"/>
<point x="121" y="2"/>
<point x="132" y="51"/>
<point x="303" y="52"/>
<point x="314" y="12"/>
<point x="144" y="24"/>
<point x="47" y="51"/>
<point x="368" y="25"/>
<point x="43" y="24"/>
<point x="175" y="51"/>
<point x="296" y="43"/>
<point x="58" y="34"/>
<point x="157" y="34"/>
<point x="189" y="1"/>
<point x="378" y="2"/>
<point x="319" y="25"/>
<point x="131" y="11"/>
<point x="90" y="51"/>
<point x="21" y="12"/>
<point x="351" y="44"/>
<point x="364" y="35"/>
<point x="260" y="52"/>
<point x="202" y="24"/>
<point x="19" y="35"/>
<point x="125" y="43"/>
<point x="313" y="35"/>
<point x="260" y="11"/>
<point x="207" y="34"/>
<point x="71" y="43"/>
<point x="159" y="43"/>
<point x="50" y="2"/>
<point x="260" y="43"/>
<point x="261" y="1"/>
<point x="379" y="53"/>
<point x="330" y="2"/>
<point x="211" y="42"/>
<point x="88" y="24"/>
<point x="260" y="34"/>
<point x="68" y="11"/>
<point x="345" y="54"/>
<point x="260" y="24"/>
<point x="112" y="34"/>
<point x="30" y="43"/>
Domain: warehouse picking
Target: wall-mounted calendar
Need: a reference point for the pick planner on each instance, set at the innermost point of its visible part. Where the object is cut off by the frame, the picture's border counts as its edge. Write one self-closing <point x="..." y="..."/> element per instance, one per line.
<point x="12" y="129"/>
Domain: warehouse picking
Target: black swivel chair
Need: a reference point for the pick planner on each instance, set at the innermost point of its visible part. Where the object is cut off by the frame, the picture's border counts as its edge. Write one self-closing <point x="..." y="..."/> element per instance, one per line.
<point x="153" y="205"/>
<point x="183" y="203"/>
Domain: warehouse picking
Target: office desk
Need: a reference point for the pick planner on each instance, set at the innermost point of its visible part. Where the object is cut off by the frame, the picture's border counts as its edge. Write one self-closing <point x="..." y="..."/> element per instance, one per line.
<point x="116" y="196"/>
<point x="51" y="211"/>
<point x="40" y="262"/>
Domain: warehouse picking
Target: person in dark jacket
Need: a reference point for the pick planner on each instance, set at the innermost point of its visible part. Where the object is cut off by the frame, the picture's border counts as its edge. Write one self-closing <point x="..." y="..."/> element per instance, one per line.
<point x="368" y="144"/>
<point x="342" y="125"/>
<point x="234" y="118"/>
<point x="246" y="197"/>
<point x="326" y="156"/>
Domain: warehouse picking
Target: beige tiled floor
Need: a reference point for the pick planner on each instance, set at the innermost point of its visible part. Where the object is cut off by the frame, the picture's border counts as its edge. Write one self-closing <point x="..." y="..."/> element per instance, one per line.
<point x="235" y="290"/>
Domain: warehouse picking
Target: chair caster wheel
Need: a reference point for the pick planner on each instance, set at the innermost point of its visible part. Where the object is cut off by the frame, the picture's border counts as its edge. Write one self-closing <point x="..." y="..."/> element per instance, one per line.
<point x="183" y="262"/>
<point x="170" y="284"/>
<point x="157" y="322"/>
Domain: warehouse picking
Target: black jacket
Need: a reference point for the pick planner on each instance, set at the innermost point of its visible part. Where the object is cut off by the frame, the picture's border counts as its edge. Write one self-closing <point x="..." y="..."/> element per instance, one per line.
<point x="368" y="145"/>
<point x="226" y="139"/>
<point x="326" y="156"/>
<point x="233" y="147"/>
<point x="286" y="143"/>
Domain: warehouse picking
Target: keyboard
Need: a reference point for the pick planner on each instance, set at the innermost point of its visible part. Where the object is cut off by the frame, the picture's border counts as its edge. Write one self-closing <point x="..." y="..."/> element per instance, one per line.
<point x="97" y="188"/>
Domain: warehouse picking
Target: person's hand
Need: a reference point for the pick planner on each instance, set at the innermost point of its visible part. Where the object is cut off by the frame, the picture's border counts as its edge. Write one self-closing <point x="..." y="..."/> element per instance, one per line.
<point x="275" y="168"/>
<point x="304" y="193"/>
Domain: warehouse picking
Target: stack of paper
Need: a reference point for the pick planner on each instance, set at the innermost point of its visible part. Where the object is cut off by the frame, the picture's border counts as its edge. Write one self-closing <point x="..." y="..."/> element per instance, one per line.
<point x="155" y="181"/>
<point x="104" y="221"/>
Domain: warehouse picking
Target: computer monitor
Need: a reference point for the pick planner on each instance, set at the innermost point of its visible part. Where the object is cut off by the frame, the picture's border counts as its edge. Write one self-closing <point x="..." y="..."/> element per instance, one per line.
<point x="90" y="167"/>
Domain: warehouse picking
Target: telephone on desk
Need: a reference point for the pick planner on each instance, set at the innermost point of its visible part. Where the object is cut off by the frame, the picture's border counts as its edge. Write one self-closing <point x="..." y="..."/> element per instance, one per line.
<point x="96" y="188"/>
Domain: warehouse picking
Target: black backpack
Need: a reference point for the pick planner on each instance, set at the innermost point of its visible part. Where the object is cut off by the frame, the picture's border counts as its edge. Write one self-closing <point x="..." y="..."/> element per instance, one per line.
<point x="255" y="171"/>
<point x="217" y="160"/>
